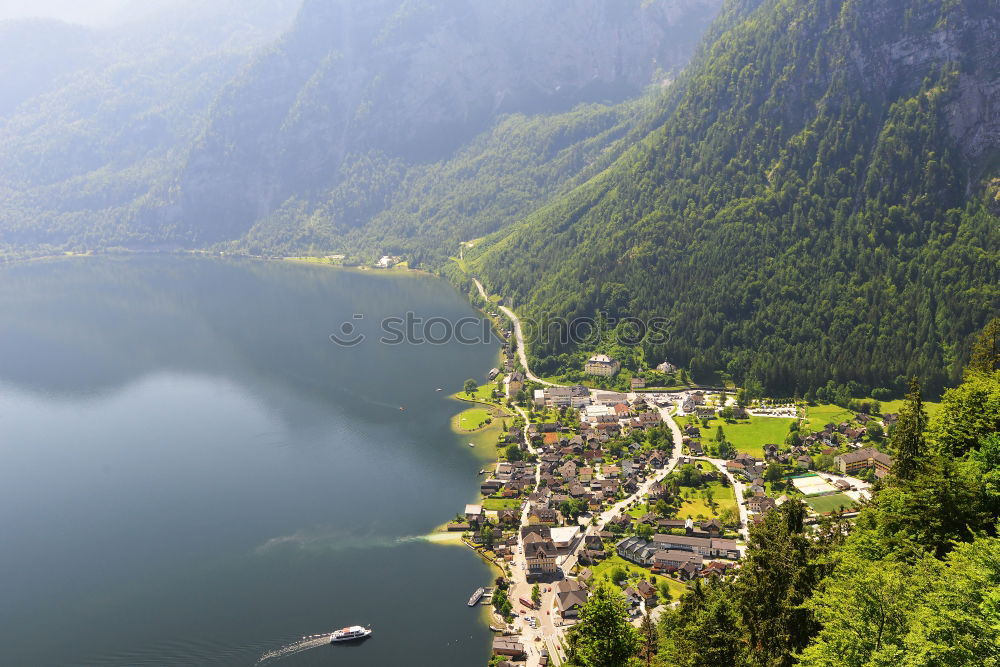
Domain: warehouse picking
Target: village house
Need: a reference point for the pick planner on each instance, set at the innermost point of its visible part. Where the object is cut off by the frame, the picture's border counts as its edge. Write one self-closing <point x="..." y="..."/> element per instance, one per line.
<point x="670" y="524"/>
<point x="637" y="383"/>
<point x="539" y="555"/>
<point x="759" y="504"/>
<point x="704" y="412"/>
<point x="543" y="516"/>
<point x="515" y="383"/>
<point x="507" y="646"/>
<point x="717" y="567"/>
<point x="603" y="365"/>
<point x="646" y="590"/>
<point x="657" y="491"/>
<point x="490" y="487"/>
<point x="712" y="527"/>
<point x="622" y="410"/>
<point x="570" y="597"/>
<point x="632" y="598"/>
<point x="666" y="367"/>
<point x="672" y="560"/>
<point x="644" y="419"/>
<point x="657" y="459"/>
<point x="508" y="517"/>
<point x="473" y="513"/>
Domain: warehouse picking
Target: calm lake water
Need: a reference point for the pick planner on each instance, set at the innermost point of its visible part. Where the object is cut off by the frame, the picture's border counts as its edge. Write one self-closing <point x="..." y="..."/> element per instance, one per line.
<point x="191" y="473"/>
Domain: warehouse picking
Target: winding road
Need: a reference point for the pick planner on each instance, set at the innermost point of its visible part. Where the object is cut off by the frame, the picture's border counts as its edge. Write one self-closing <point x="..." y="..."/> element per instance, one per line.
<point x="519" y="337"/>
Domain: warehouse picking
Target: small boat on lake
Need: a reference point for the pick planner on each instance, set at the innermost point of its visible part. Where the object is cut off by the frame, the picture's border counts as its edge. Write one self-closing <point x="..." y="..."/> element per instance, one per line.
<point x="472" y="444"/>
<point x="349" y="634"/>
<point x="476" y="596"/>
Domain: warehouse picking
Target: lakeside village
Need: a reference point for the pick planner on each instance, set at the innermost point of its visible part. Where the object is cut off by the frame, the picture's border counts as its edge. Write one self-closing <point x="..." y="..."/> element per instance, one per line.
<point x="650" y="489"/>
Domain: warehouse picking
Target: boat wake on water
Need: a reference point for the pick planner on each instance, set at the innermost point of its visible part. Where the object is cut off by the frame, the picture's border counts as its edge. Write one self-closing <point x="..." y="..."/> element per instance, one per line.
<point x="304" y="644"/>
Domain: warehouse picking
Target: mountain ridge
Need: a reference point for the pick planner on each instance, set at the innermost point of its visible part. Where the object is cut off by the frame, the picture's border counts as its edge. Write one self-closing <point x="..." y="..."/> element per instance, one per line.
<point x="786" y="176"/>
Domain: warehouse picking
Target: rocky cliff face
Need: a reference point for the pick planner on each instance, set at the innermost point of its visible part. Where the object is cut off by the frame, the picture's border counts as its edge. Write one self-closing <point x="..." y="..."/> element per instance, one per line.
<point x="411" y="81"/>
<point x="967" y="40"/>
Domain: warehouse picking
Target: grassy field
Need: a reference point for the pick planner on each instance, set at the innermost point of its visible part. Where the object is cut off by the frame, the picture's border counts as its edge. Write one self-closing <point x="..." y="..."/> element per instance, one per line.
<point x="821" y="415"/>
<point x="603" y="569"/>
<point x="483" y="393"/>
<point x="470" y="420"/>
<point x="723" y="495"/>
<point x="893" y="406"/>
<point x="747" y="436"/>
<point x="824" y="504"/>
<point x="502" y="503"/>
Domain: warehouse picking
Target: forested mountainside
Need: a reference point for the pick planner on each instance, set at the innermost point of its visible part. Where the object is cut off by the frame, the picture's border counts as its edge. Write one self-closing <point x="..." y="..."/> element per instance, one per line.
<point x="94" y="119"/>
<point x="821" y="203"/>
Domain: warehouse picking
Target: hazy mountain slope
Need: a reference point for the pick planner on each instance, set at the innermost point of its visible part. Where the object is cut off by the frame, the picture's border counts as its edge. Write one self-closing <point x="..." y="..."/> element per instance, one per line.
<point x="382" y="205"/>
<point x="410" y="81"/>
<point x="361" y="112"/>
<point x="97" y="117"/>
<point x="813" y="208"/>
<point x="36" y="55"/>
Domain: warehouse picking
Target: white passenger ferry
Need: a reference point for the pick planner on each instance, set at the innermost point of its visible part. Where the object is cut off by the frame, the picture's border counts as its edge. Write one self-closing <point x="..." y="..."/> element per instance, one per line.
<point x="350" y="634"/>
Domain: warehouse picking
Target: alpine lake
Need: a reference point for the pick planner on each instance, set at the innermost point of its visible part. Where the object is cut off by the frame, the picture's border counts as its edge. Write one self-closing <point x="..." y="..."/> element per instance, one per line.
<point x="192" y="472"/>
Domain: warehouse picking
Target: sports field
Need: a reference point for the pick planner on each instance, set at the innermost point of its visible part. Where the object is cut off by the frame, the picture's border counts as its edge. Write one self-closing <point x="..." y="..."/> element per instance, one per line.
<point x="826" y="504"/>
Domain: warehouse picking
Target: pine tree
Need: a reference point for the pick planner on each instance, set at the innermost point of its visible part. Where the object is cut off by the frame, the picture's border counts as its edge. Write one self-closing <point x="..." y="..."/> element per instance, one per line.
<point x="986" y="352"/>
<point x="649" y="638"/>
<point x="908" y="434"/>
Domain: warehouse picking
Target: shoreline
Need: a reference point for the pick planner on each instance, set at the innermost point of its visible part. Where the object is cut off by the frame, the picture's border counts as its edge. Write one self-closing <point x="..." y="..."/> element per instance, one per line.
<point x="401" y="269"/>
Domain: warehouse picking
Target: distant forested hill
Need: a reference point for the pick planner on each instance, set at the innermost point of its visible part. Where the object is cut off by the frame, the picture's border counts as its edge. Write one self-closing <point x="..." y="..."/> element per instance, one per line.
<point x="822" y="202"/>
<point x="96" y="122"/>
